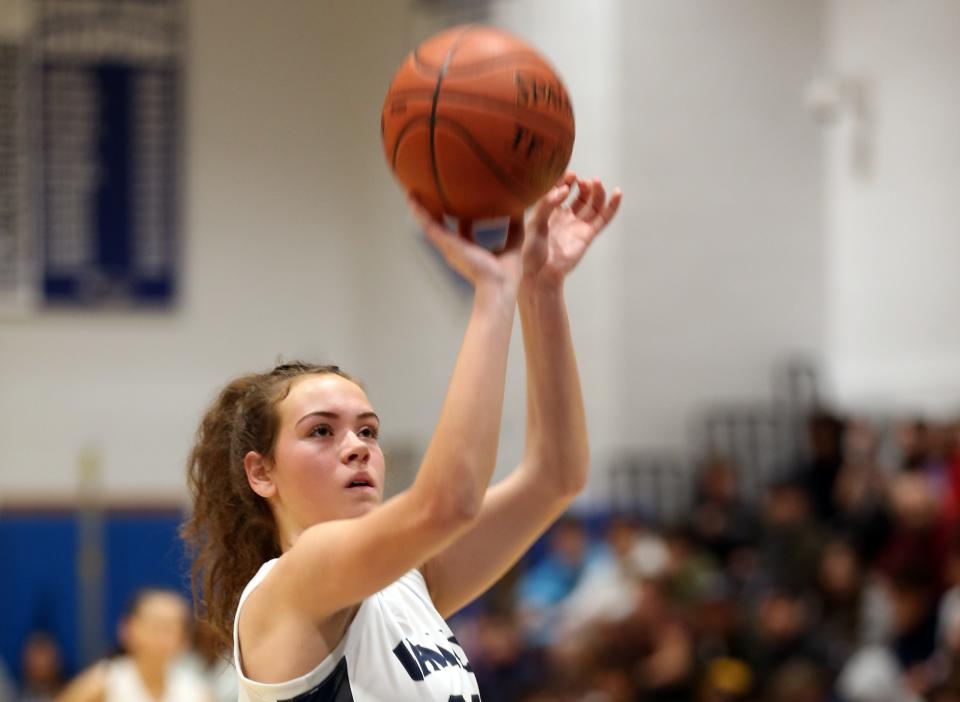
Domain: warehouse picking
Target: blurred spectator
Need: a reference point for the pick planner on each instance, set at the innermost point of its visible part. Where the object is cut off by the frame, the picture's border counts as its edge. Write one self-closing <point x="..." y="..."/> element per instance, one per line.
<point x="798" y="681"/>
<point x="721" y="522"/>
<point x="651" y="652"/>
<point x="791" y="537"/>
<point x="860" y="492"/>
<point x="947" y="692"/>
<point x="841" y="599"/>
<point x="553" y="578"/>
<point x="154" y="635"/>
<point x="917" y="543"/>
<point x="873" y="675"/>
<point x="42" y="666"/>
<point x="781" y="631"/>
<point x="715" y="621"/>
<point x="909" y="657"/>
<point x="952" y="502"/>
<point x="912" y="438"/>
<point x="818" y="473"/>
<point x="948" y="619"/>
<point x="505" y="668"/>
<point x="726" y="680"/>
<point x="688" y="569"/>
<point x="609" y="587"/>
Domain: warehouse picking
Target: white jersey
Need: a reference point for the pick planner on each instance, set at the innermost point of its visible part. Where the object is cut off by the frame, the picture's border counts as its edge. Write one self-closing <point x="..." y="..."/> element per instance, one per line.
<point x="397" y="649"/>
<point x="124" y="684"/>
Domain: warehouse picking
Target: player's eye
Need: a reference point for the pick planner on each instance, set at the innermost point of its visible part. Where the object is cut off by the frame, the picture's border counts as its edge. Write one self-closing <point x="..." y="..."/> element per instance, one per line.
<point x="321" y="430"/>
<point x="369" y="432"/>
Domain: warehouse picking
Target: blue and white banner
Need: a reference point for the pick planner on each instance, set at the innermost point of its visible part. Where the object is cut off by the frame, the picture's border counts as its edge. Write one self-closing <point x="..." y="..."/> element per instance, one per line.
<point x="110" y="73"/>
<point x="90" y="122"/>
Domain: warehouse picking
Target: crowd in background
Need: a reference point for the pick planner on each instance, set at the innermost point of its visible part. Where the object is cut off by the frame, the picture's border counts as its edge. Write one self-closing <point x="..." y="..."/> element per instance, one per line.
<point x="840" y="582"/>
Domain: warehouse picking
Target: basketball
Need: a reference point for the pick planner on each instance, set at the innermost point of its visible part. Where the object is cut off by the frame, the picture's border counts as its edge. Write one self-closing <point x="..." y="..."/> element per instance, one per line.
<point x="477" y="124"/>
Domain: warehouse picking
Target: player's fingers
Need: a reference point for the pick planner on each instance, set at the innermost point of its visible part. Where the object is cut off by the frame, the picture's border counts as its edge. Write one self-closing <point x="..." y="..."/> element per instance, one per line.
<point x="582" y="201"/>
<point x="597" y="197"/>
<point x="567" y="179"/>
<point x="610" y="209"/>
<point x="547" y="204"/>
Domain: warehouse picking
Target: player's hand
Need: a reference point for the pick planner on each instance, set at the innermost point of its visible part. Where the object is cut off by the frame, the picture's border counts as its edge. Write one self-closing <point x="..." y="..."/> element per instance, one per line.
<point x="558" y="235"/>
<point x="474" y="262"/>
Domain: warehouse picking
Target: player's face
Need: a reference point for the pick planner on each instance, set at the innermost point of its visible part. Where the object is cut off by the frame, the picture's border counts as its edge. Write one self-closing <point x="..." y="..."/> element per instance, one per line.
<point x="327" y="460"/>
<point x="157" y="631"/>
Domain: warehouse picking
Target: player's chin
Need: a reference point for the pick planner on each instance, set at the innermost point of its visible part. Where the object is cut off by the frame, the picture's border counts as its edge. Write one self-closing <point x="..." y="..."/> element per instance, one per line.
<point x="360" y="504"/>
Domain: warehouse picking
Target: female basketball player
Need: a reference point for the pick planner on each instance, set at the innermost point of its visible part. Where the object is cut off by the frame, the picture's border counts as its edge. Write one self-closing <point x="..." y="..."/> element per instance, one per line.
<point x="330" y="594"/>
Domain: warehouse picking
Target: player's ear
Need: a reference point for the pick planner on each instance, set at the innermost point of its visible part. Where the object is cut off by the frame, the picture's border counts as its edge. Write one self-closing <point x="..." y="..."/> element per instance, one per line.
<point x="259" y="475"/>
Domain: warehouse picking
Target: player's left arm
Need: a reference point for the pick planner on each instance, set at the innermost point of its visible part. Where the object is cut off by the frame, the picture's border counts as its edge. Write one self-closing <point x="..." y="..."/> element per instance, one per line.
<point x="556" y="454"/>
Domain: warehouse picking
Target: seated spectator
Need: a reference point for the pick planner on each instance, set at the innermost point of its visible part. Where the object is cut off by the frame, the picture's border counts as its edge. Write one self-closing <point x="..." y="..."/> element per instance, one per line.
<point x="860" y="493"/>
<point x="551" y="580"/>
<point x="715" y="620"/>
<point x="651" y="649"/>
<point x="917" y="542"/>
<point x="817" y="474"/>
<point x="726" y="680"/>
<point x="791" y="537"/>
<point x="873" y="675"/>
<point x="609" y="587"/>
<point x="914" y="599"/>
<point x="798" y="681"/>
<point x="505" y="668"/>
<point x="721" y="521"/>
<point x="42" y="666"/>
<point x="840" y="600"/>
<point x="781" y="631"/>
<point x="153" y="634"/>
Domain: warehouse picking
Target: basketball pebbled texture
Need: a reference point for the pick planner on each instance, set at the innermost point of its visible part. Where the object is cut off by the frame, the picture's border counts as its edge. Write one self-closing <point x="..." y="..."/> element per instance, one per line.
<point x="477" y="124"/>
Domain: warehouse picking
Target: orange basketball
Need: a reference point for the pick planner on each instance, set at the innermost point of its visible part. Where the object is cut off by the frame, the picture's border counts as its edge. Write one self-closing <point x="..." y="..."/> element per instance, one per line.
<point x="477" y="124"/>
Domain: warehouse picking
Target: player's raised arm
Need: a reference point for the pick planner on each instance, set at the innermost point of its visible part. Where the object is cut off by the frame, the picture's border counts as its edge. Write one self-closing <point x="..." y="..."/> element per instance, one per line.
<point x="556" y="454"/>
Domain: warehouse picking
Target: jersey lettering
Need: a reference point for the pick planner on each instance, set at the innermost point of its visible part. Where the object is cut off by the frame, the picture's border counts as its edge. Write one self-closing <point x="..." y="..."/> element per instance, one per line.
<point x="419" y="661"/>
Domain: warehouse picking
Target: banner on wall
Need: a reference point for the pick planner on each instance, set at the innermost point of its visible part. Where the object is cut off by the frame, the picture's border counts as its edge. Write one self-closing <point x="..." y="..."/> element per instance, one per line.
<point x="90" y="121"/>
<point x="110" y="91"/>
<point x="15" y="280"/>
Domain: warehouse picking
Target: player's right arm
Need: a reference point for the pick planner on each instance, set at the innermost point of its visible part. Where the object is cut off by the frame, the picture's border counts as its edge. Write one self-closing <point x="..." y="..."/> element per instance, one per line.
<point x="333" y="565"/>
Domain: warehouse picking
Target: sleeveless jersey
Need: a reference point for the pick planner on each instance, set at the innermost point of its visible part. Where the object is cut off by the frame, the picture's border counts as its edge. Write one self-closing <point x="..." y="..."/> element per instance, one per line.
<point x="125" y="685"/>
<point x="397" y="649"/>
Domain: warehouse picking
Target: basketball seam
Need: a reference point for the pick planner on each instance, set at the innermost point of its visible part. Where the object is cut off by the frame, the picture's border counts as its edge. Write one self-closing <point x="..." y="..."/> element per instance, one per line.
<point x="506" y="181"/>
<point x="433" y="115"/>
<point x="463" y="98"/>
<point x="399" y="138"/>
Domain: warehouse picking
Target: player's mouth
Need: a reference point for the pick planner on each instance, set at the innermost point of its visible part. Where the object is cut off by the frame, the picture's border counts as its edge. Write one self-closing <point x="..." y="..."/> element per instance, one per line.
<point x="361" y="482"/>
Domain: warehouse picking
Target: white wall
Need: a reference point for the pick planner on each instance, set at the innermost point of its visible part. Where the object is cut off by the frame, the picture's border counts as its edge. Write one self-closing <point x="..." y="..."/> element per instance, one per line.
<point x="894" y="289"/>
<point x="297" y="242"/>
<point x="722" y="267"/>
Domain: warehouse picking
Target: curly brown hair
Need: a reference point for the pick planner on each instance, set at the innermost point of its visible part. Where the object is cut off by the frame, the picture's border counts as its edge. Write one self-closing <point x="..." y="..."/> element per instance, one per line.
<point x="232" y="531"/>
